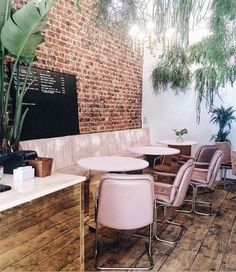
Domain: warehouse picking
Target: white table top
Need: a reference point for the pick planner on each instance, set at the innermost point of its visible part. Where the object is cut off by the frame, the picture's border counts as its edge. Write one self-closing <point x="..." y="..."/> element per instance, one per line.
<point x="28" y="190"/>
<point x="113" y="163"/>
<point x="177" y="143"/>
<point x="154" y="150"/>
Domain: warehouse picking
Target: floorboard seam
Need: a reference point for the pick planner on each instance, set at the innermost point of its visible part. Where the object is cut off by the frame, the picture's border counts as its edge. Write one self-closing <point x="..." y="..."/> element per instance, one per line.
<point x="207" y="232"/>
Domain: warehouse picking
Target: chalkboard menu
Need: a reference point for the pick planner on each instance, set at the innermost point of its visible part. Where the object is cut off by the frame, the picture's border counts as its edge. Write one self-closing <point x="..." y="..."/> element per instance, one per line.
<point x="52" y="102"/>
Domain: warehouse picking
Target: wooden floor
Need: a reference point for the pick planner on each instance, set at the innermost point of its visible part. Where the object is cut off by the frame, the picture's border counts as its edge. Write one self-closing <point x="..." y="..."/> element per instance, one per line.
<point x="209" y="244"/>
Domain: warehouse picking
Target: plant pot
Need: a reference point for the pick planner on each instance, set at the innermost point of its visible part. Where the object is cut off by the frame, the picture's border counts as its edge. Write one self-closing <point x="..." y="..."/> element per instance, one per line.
<point x="233" y="157"/>
<point x="42" y="166"/>
<point x="224" y="147"/>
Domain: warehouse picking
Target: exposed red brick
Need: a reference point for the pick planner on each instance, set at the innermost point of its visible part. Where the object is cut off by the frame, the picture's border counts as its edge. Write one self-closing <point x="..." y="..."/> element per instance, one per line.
<point x="108" y="73"/>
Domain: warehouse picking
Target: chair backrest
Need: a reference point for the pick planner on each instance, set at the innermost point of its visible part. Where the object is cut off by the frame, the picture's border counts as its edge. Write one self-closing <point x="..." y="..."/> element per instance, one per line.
<point x="214" y="168"/>
<point x="205" y="154"/>
<point x="125" y="201"/>
<point x="181" y="183"/>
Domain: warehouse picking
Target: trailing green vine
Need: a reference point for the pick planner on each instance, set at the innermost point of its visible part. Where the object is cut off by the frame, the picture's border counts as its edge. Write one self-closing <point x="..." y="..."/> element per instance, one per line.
<point x="172" y="71"/>
<point x="164" y="14"/>
<point x="213" y="54"/>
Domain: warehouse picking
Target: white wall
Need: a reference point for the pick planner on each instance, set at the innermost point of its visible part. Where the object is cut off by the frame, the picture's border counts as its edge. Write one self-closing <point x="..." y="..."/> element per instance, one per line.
<point x="164" y="111"/>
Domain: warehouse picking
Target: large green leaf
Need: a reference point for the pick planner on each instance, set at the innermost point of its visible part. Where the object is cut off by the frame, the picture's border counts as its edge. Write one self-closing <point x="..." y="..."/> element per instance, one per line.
<point x="4" y="4"/>
<point x="21" y="34"/>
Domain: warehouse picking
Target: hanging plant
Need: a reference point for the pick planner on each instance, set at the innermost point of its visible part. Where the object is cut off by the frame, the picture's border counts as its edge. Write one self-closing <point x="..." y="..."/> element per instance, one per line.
<point x="213" y="55"/>
<point x="172" y="71"/>
<point x="164" y="14"/>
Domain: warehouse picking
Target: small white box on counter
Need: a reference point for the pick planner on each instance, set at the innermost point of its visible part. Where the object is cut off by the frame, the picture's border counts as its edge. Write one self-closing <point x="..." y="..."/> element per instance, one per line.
<point x="23" y="173"/>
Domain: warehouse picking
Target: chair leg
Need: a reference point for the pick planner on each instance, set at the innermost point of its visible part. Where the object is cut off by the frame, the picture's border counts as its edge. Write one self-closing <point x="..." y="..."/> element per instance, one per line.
<point x="153" y="227"/>
<point x="194" y="202"/>
<point x="167" y="221"/>
<point x="149" y="252"/>
<point x="96" y="235"/>
<point x="148" y="247"/>
<point x="223" y="173"/>
<point x="202" y="213"/>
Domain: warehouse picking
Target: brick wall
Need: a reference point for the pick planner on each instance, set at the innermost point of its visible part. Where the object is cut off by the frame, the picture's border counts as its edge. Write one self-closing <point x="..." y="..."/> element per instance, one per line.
<point x="108" y="73"/>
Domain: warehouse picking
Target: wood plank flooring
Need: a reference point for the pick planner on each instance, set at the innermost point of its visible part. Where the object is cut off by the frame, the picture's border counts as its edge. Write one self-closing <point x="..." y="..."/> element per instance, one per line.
<point x="209" y="243"/>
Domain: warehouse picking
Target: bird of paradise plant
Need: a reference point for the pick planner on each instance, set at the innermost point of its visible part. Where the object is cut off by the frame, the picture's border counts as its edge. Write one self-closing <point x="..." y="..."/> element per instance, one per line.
<point x="20" y="35"/>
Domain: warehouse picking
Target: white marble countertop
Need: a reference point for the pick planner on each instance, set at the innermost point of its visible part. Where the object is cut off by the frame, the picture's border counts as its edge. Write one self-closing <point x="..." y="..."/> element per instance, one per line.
<point x="28" y="190"/>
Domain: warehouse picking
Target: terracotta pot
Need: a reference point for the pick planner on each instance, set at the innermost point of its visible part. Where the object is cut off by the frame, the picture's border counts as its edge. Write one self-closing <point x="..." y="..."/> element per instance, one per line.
<point x="224" y="147"/>
<point x="233" y="156"/>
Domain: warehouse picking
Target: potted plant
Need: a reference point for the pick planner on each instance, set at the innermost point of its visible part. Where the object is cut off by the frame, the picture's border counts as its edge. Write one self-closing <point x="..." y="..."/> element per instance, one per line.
<point x="20" y="35"/>
<point x="223" y="117"/>
<point x="180" y="133"/>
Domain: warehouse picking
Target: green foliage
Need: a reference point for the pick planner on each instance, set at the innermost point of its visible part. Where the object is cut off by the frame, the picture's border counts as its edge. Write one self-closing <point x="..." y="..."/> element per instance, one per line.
<point x="223" y="117"/>
<point x="213" y="54"/>
<point x="165" y="14"/>
<point x="180" y="132"/>
<point x="79" y="3"/>
<point x="20" y="36"/>
<point x="172" y="71"/>
<point x="122" y="14"/>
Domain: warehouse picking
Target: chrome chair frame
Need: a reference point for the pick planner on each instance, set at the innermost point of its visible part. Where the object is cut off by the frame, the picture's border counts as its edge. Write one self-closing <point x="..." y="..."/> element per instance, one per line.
<point x="164" y="204"/>
<point x="166" y="220"/>
<point x="195" y="187"/>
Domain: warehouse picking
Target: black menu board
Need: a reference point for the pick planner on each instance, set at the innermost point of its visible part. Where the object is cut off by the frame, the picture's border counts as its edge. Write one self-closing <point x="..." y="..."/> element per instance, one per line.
<point x="52" y="102"/>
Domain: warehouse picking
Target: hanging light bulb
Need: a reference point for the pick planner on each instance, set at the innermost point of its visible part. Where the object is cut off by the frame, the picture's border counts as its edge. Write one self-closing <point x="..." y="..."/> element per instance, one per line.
<point x="134" y="30"/>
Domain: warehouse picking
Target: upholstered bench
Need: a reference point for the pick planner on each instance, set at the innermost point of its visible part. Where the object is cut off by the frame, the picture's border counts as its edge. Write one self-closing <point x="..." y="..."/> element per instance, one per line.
<point x="67" y="150"/>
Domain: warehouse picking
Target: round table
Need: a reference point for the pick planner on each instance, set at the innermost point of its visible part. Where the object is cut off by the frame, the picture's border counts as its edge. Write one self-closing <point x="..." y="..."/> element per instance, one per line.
<point x="184" y="147"/>
<point x="177" y="143"/>
<point x="105" y="164"/>
<point x="113" y="163"/>
<point x="154" y="150"/>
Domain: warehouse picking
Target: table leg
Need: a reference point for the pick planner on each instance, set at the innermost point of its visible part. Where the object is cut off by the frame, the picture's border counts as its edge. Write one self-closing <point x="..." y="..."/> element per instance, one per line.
<point x="94" y="180"/>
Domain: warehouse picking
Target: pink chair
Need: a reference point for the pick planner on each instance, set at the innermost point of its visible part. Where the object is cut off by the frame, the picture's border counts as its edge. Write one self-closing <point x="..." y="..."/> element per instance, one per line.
<point x="204" y="178"/>
<point x="203" y="156"/>
<point x="202" y="159"/>
<point x="125" y="202"/>
<point x="173" y="195"/>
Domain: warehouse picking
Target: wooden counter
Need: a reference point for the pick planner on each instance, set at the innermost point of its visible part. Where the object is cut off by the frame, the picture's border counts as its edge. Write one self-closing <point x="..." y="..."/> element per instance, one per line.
<point x="41" y="224"/>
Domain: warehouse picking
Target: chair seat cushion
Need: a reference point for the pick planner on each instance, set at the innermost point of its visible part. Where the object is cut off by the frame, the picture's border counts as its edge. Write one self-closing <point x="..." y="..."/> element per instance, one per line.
<point x="199" y="177"/>
<point x="162" y="192"/>
<point x="167" y="169"/>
